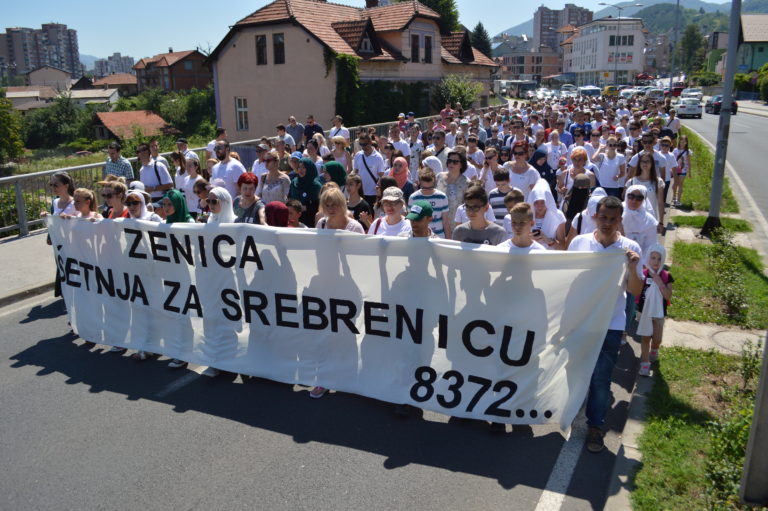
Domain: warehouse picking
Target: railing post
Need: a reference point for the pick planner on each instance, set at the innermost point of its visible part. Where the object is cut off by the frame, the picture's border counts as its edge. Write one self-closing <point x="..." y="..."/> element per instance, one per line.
<point x="21" y="210"/>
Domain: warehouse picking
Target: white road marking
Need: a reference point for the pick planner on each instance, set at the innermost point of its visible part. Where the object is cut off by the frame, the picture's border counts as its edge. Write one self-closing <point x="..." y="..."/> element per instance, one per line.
<point x="554" y="493"/>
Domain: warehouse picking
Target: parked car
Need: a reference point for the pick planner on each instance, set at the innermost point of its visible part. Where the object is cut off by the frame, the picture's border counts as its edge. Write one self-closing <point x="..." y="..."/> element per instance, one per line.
<point x="715" y="103"/>
<point x="676" y="91"/>
<point x="689" y="107"/>
<point x="692" y="93"/>
<point x="610" y="91"/>
<point x="589" y="90"/>
<point x="655" y="94"/>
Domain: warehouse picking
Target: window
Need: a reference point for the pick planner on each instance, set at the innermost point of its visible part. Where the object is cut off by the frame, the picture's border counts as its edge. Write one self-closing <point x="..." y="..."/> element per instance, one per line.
<point x="261" y="50"/>
<point x="241" y="113"/>
<point x="188" y="66"/>
<point x="278" y="48"/>
<point x="428" y="49"/>
<point x="414" y="48"/>
<point x="365" y="45"/>
<point x="612" y="41"/>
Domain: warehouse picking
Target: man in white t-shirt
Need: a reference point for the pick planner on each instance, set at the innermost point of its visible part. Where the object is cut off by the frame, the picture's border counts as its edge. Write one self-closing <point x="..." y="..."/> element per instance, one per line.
<point x="210" y="150"/>
<point x="290" y="143"/>
<point x="395" y="136"/>
<point x="521" y="242"/>
<point x="153" y="174"/>
<point x="228" y="170"/>
<point x="338" y="129"/>
<point x="259" y="166"/>
<point x="607" y="237"/>
<point x="416" y="147"/>
<point x="369" y="165"/>
<point x="181" y="145"/>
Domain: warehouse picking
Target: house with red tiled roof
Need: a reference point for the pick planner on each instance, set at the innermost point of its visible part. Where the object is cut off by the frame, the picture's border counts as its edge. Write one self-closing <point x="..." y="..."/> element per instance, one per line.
<point x="281" y="60"/>
<point x="125" y="83"/>
<point x="175" y="70"/>
<point x="122" y="125"/>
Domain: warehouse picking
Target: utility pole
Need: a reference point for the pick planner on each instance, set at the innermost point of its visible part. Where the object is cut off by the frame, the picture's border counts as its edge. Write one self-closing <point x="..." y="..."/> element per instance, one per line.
<point x="674" y="45"/>
<point x="724" y="126"/>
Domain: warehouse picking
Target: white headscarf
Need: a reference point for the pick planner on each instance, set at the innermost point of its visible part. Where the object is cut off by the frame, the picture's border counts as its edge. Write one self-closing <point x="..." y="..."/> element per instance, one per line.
<point x="227" y="214"/>
<point x="640" y="219"/>
<point x="554" y="217"/>
<point x="434" y="163"/>
<point x="144" y="214"/>
<point x="653" y="306"/>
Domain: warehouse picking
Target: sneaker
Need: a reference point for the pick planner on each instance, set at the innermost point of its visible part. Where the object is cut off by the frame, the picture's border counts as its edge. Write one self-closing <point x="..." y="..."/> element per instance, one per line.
<point x="211" y="372"/>
<point x="645" y="369"/>
<point x="595" y="439"/>
<point x="176" y="363"/>
<point x="317" y="392"/>
<point x="117" y="349"/>
<point x="654" y="355"/>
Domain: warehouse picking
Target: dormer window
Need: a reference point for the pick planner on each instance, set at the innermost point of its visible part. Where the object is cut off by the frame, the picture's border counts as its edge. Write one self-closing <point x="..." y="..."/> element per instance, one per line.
<point x="365" y="45"/>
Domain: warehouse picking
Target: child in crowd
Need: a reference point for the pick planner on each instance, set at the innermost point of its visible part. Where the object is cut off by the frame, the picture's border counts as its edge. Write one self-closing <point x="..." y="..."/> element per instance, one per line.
<point x="512" y="198"/>
<point x="497" y="195"/>
<point x="478" y="229"/>
<point x="294" y="213"/>
<point x="438" y="200"/>
<point x="653" y="302"/>
<point x="521" y="220"/>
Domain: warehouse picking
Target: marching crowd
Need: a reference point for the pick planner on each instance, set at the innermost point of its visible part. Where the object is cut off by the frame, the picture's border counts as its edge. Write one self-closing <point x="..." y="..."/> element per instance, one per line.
<point x="588" y="174"/>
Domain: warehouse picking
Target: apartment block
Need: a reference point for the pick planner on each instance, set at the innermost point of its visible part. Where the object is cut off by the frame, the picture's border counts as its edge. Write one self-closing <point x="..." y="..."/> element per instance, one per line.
<point x="546" y="21"/>
<point x="114" y="64"/>
<point x="607" y="50"/>
<point x="25" y="49"/>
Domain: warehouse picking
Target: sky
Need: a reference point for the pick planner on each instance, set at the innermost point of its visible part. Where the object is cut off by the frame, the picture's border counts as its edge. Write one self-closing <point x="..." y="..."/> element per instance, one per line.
<point x="144" y="28"/>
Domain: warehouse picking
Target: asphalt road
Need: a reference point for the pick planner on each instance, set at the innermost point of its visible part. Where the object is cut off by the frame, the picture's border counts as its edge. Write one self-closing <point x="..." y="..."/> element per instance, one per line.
<point x="81" y="428"/>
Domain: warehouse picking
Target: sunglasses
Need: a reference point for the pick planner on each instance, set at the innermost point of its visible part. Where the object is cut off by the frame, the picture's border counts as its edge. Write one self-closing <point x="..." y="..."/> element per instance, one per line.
<point x="452" y="160"/>
<point x="132" y="203"/>
<point x="107" y="195"/>
<point x="635" y="197"/>
<point x="518" y="153"/>
<point x="211" y="201"/>
<point x="473" y="209"/>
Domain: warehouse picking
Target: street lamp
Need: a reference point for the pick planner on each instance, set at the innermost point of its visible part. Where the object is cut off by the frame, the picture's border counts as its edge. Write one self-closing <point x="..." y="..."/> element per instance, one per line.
<point x="618" y="41"/>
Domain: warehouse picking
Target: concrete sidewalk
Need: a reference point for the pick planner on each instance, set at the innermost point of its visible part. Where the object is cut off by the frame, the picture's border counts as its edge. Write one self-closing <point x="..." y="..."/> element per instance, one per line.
<point x="28" y="267"/>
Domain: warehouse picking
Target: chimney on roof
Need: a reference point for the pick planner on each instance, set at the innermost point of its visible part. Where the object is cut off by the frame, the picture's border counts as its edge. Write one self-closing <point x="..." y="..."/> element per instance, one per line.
<point x="371" y="3"/>
<point x="170" y="50"/>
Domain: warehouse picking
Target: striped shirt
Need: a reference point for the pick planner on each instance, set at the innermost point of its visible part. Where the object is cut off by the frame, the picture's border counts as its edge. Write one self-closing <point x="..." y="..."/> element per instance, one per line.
<point x="120" y="168"/>
<point x="439" y="202"/>
<point x="496" y="200"/>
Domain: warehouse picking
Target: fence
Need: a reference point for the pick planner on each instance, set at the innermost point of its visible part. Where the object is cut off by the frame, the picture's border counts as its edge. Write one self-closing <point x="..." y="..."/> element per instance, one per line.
<point x="31" y="194"/>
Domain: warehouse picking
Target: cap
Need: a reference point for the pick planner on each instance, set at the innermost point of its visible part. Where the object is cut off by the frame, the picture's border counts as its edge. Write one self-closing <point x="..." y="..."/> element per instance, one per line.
<point x="464" y="121"/>
<point x="393" y="194"/>
<point x="418" y="210"/>
<point x="401" y="114"/>
<point x="411" y="114"/>
<point x="136" y="185"/>
<point x="297" y="155"/>
<point x="262" y="147"/>
<point x="181" y="140"/>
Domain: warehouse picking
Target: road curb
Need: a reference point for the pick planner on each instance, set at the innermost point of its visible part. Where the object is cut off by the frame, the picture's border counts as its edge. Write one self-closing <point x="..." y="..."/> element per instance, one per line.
<point x="27" y="292"/>
<point x="753" y="112"/>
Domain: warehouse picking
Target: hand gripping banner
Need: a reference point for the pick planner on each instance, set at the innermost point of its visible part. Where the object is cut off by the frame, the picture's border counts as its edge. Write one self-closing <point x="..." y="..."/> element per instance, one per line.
<point x="465" y="330"/>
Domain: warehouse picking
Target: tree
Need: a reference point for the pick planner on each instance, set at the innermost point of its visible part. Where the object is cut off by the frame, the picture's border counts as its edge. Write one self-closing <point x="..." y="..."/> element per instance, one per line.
<point x="11" y="145"/>
<point x="691" y="49"/>
<point x="456" y="89"/>
<point x="449" y="13"/>
<point x="481" y="40"/>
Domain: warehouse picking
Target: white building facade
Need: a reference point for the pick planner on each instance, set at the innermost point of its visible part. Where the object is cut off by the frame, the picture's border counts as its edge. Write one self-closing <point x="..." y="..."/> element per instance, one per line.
<point x="608" y="51"/>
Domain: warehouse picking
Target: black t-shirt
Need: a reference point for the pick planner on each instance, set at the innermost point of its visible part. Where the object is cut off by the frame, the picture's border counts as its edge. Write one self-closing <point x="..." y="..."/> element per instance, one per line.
<point x="251" y="215"/>
<point x="359" y="208"/>
<point x="646" y="284"/>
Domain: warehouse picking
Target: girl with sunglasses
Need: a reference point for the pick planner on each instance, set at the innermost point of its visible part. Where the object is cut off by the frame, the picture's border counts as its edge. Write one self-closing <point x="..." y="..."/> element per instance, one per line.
<point x="648" y="177"/>
<point x="63" y="187"/>
<point x="522" y="175"/>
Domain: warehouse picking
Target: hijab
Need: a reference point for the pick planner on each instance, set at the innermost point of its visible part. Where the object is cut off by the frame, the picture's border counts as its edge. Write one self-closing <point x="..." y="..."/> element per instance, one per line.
<point x="227" y="214"/>
<point x="144" y="214"/>
<point x="306" y="189"/>
<point x="578" y="196"/>
<point x="640" y="219"/>
<point x="277" y="214"/>
<point x="337" y="173"/>
<point x="402" y="176"/>
<point x="654" y="300"/>
<point x="554" y="217"/>
<point x="434" y="163"/>
<point x="537" y="155"/>
<point x="180" y="213"/>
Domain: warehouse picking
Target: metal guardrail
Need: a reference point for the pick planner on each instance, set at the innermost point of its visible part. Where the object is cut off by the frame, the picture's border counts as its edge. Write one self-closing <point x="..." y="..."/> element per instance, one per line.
<point x="32" y="189"/>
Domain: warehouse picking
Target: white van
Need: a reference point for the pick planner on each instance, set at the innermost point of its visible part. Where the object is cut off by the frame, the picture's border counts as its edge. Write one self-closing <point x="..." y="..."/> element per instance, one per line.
<point x="589" y="90"/>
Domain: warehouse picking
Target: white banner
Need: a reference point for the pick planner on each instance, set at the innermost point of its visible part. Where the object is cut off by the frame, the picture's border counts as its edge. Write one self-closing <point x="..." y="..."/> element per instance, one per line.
<point x="466" y="330"/>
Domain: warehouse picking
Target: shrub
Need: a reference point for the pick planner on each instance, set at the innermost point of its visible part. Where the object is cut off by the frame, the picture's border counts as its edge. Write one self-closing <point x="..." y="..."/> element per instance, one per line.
<point x="724" y="261"/>
<point x="32" y="206"/>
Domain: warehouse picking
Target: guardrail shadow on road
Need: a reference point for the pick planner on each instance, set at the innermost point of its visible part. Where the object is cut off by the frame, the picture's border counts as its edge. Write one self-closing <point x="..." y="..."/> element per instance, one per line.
<point x="346" y="420"/>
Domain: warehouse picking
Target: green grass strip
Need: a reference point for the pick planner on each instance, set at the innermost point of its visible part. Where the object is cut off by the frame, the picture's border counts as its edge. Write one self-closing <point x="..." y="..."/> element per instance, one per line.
<point x="698" y="184"/>
<point x="697" y="222"/>
<point x="693" y="298"/>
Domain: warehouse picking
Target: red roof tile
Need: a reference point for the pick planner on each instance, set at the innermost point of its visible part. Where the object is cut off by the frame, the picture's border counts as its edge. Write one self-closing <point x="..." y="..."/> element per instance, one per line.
<point x="397" y="16"/>
<point x="121" y="123"/>
<point x="163" y="59"/>
<point x="117" y="79"/>
<point x="350" y="31"/>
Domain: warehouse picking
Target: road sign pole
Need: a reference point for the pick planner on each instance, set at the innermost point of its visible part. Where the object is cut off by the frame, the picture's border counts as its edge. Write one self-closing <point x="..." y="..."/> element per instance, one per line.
<point x="724" y="127"/>
<point x="754" y="481"/>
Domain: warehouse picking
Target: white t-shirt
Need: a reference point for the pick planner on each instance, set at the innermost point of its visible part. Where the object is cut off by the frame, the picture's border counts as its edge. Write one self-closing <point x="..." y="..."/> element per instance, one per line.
<point x="671" y="164"/>
<point x="375" y="163"/>
<point x="380" y="227"/>
<point x="587" y="147"/>
<point x="525" y="181"/>
<point x="450" y="139"/>
<point x="228" y="172"/>
<point x="478" y="157"/>
<point x="554" y="152"/>
<point x="661" y="162"/>
<point x="259" y="167"/>
<point x="186" y="184"/>
<point x="403" y="146"/>
<point x="148" y="176"/>
<point x="607" y="169"/>
<point x="339" y="132"/>
<point x="212" y="146"/>
<point x="514" y="249"/>
<point x="588" y="243"/>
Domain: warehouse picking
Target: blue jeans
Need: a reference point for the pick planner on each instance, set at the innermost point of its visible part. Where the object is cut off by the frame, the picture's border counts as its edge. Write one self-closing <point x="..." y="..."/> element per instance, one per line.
<point x="599" y="396"/>
<point x="630" y="310"/>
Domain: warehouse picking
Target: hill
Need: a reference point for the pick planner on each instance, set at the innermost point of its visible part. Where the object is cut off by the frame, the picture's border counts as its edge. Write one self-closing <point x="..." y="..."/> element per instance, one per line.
<point x="660" y="18"/>
<point x="748" y="6"/>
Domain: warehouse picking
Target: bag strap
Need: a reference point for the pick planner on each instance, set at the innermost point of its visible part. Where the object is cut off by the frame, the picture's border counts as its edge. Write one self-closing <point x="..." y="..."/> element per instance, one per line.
<point x="157" y="175"/>
<point x="375" y="179"/>
<point x="378" y="224"/>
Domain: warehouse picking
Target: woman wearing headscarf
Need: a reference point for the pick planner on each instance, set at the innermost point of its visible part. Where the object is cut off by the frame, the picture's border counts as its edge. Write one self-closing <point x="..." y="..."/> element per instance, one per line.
<point x="175" y="207"/>
<point x="586" y="220"/>
<point x="639" y="223"/>
<point x="652" y="303"/>
<point x="548" y="221"/>
<point x="401" y="173"/>
<point x="305" y="188"/>
<point x="277" y="214"/>
<point x="137" y="207"/>
<point x="220" y="202"/>
<point x="336" y="173"/>
<point x="540" y="162"/>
